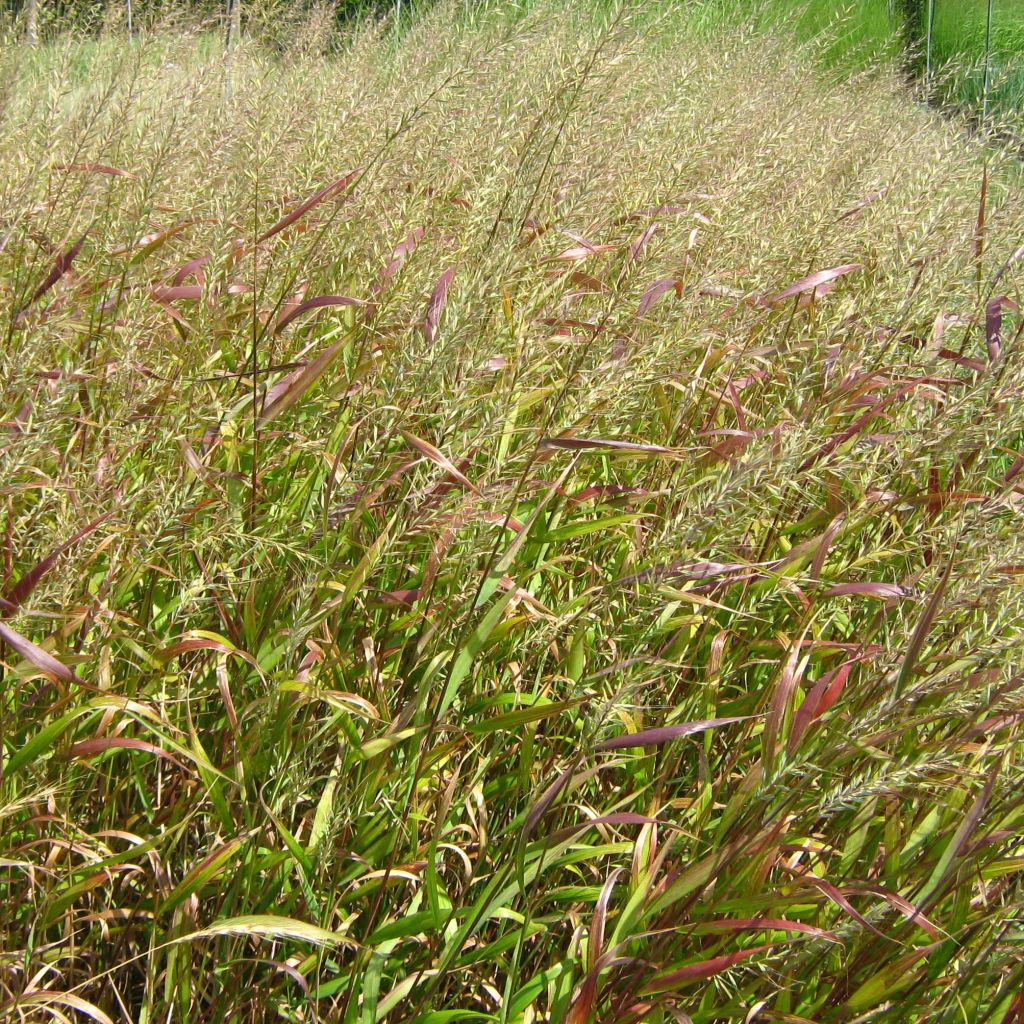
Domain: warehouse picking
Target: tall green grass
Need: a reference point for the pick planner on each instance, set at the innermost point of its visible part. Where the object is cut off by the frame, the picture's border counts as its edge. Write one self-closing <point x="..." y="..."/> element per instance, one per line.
<point x="961" y="38"/>
<point x="846" y="36"/>
<point x="513" y="522"/>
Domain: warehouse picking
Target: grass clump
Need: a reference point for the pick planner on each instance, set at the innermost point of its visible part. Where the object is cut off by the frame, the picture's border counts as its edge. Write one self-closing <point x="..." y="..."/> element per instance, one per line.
<point x="520" y="525"/>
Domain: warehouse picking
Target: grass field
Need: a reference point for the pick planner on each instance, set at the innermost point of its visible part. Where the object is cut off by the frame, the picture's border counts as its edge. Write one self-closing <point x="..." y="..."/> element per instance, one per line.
<point x="510" y="524"/>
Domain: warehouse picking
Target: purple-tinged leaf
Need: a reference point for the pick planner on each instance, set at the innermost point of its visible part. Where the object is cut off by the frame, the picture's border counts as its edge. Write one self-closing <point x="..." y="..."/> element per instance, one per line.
<point x="862" y="204"/>
<point x="426" y="449"/>
<point x="655" y="292"/>
<point x="575" y="253"/>
<point x="304" y="207"/>
<point x="22" y="590"/>
<point x="837" y="897"/>
<point x="994" y="324"/>
<point x="819" y="699"/>
<point x="701" y="971"/>
<point x="581" y="444"/>
<point x="190" y="269"/>
<point x="435" y="306"/>
<point x="174" y="293"/>
<point x="318" y="303"/>
<point x="60" y="267"/>
<point x="637" y="247"/>
<point x="35" y="655"/>
<point x="287" y="391"/>
<point x="86" y="749"/>
<point x="568" y="778"/>
<point x="399" y="255"/>
<point x="813" y="281"/>
<point x="617" y="818"/>
<point x="655" y="737"/>
<point x="881" y="591"/>
<point x="763" y="924"/>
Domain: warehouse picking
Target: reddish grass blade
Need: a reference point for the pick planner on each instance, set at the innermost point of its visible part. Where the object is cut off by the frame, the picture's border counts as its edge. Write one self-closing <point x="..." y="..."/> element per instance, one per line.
<point x="844" y="435"/>
<point x="862" y="204"/>
<point x="781" y="700"/>
<point x="148" y="244"/>
<point x="665" y="734"/>
<point x="94" y="169"/>
<point x="904" y="906"/>
<point x="60" y="267"/>
<point x="575" y="253"/>
<point x="14" y="598"/>
<point x="399" y="255"/>
<point x="881" y="591"/>
<point x="968" y="364"/>
<point x="764" y="924"/>
<point x="320" y="302"/>
<point x="582" y="444"/>
<point x="438" y="457"/>
<point x="638" y="246"/>
<point x="304" y="207"/>
<point x="923" y="627"/>
<point x="655" y="292"/>
<point x="287" y="391"/>
<point x="821" y="697"/>
<point x="617" y="818"/>
<point x="815" y="281"/>
<point x="190" y="269"/>
<point x="595" y="943"/>
<point x="834" y="894"/>
<point x="551" y="794"/>
<point x="174" y="293"/>
<point x="86" y="749"/>
<point x="994" y="324"/>
<point x="703" y="970"/>
<point x="35" y="655"/>
<point x="204" y="643"/>
<point x="436" y="304"/>
<point x="581" y="1011"/>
